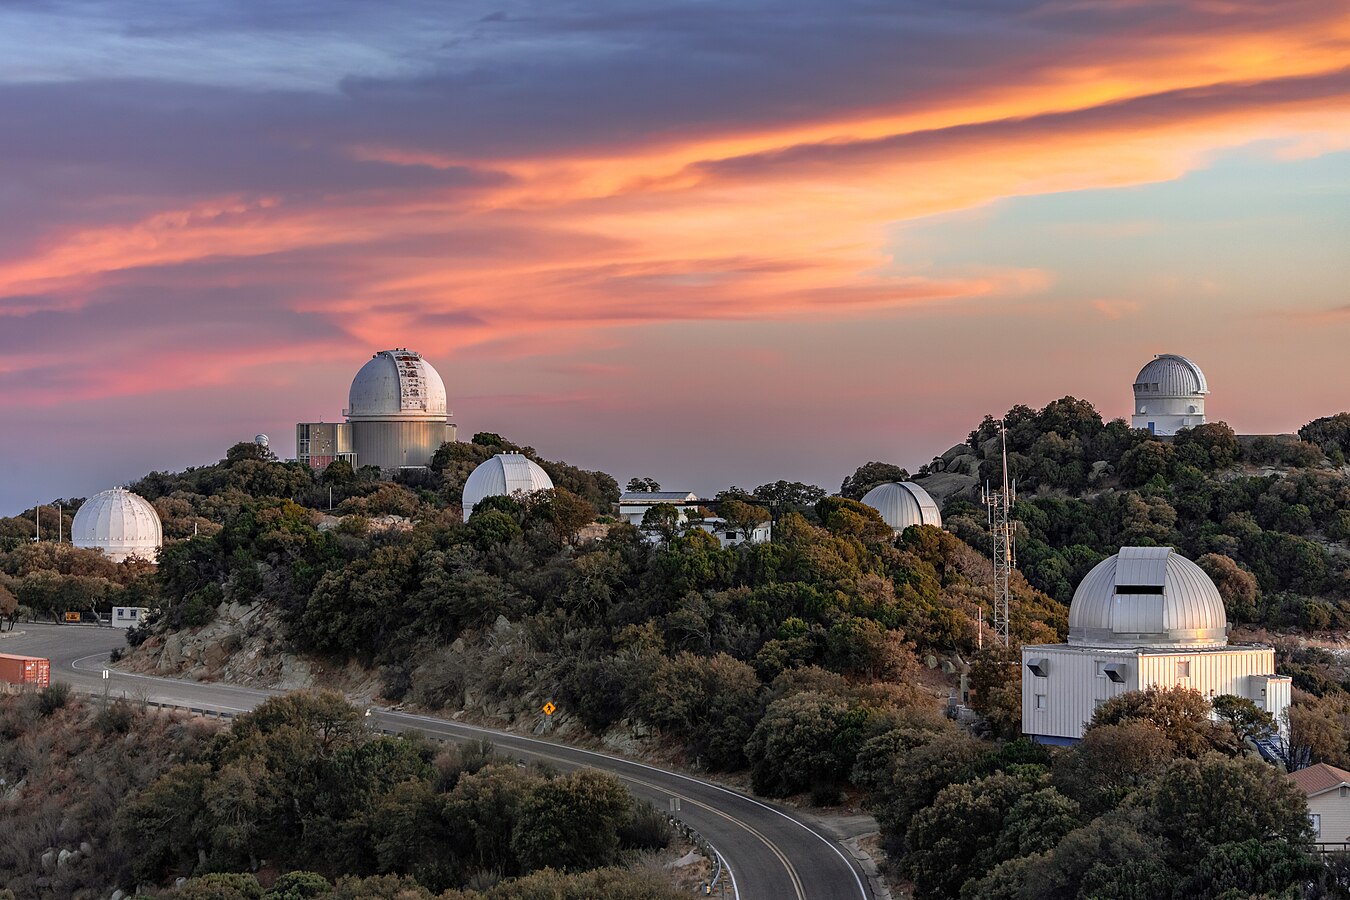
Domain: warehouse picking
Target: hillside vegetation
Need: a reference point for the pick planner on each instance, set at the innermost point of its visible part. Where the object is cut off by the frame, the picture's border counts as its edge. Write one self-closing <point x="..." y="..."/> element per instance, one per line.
<point x="801" y="660"/>
<point x="108" y="796"/>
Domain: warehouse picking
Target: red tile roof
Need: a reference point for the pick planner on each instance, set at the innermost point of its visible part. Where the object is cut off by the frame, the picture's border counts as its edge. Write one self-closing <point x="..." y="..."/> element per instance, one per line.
<point x="1321" y="777"/>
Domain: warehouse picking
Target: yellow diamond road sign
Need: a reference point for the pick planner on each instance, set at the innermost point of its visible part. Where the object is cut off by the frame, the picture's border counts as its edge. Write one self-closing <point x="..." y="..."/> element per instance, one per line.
<point x="549" y="708"/>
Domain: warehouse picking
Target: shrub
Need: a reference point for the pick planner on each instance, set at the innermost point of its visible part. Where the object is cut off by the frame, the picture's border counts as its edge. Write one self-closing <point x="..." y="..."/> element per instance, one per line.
<point x="52" y="698"/>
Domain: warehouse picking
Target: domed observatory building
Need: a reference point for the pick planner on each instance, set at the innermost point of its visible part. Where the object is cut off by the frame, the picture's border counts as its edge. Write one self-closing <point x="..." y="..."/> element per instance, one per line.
<point x="1146" y="616"/>
<point x="1169" y="395"/>
<point x="396" y="417"/>
<point x="120" y="524"/>
<point x="505" y="475"/>
<point x="902" y="504"/>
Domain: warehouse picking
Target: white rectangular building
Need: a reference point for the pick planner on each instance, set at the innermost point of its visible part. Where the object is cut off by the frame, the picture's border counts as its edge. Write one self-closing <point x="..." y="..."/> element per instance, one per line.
<point x="633" y="505"/>
<point x="1062" y="685"/>
<point x="129" y="616"/>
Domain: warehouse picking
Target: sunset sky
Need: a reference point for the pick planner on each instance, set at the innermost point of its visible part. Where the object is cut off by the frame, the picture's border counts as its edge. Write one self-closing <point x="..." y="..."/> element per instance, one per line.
<point x="711" y="242"/>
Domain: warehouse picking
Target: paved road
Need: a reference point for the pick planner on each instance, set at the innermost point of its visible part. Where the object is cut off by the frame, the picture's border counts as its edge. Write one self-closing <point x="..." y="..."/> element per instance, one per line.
<point x="771" y="853"/>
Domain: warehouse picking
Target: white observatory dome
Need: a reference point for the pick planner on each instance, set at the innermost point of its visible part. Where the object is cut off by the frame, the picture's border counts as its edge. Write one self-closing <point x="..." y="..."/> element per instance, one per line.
<point x="119" y="523"/>
<point x="503" y="476"/>
<point x="261" y="440"/>
<point x="1169" y="395"/>
<point x="902" y="504"/>
<point x="1147" y="597"/>
<point x="399" y="385"/>
<point x="1170" y="376"/>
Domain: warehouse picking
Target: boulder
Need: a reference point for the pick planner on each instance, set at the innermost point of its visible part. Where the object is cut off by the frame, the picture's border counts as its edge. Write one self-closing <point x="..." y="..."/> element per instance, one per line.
<point x="48" y="860"/>
<point x="991" y="448"/>
<point x="948" y="484"/>
<point x="1100" y="469"/>
<point x="172" y="655"/>
<point x="63" y="857"/>
<point x="954" y="452"/>
<point x="966" y="464"/>
<point x="86" y="848"/>
<point x="214" y="655"/>
<point x="118" y="894"/>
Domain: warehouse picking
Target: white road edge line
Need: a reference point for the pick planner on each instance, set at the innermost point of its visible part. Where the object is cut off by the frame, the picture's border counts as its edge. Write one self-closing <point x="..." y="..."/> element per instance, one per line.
<point x="726" y="867"/>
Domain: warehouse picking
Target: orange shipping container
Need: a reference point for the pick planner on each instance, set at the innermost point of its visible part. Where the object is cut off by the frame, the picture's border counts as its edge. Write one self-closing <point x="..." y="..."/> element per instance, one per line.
<point x="25" y="670"/>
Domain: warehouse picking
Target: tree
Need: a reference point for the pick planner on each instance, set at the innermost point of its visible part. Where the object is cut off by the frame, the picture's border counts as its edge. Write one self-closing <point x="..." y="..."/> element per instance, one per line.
<point x="962" y="834"/>
<point x="851" y="517"/>
<point x="339" y="472"/>
<point x="785" y="496"/>
<point x="1200" y="803"/>
<point x="643" y="485"/>
<point x="568" y="512"/>
<point x="712" y="703"/>
<point x="1181" y="714"/>
<point x="248" y="450"/>
<point x="1236" y="585"/>
<point x="1247" y="720"/>
<point x="1144" y="462"/>
<point x="868" y="476"/>
<point x="1208" y="447"/>
<point x="1250" y="868"/>
<point x="742" y="516"/>
<point x="1112" y="762"/>
<point x="663" y="520"/>
<point x="298" y="885"/>
<point x="571" y="822"/>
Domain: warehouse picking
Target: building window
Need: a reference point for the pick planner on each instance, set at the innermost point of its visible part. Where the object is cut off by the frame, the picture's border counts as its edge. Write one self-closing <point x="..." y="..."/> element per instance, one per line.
<point x="133" y="612"/>
<point x="731" y="535"/>
<point x="1040" y="701"/>
<point x="1184" y="669"/>
<point x="1101" y="669"/>
<point x="1316" y="824"/>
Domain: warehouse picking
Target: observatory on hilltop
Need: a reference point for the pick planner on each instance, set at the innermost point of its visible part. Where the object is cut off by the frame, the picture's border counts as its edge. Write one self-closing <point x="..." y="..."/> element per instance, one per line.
<point x="396" y="417"/>
<point x="120" y="524"/>
<point x="1146" y="616"/>
<point x="1169" y="395"/>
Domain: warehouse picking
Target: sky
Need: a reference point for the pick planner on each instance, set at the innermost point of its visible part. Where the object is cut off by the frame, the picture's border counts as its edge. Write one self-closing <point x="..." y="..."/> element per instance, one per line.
<point x="712" y="243"/>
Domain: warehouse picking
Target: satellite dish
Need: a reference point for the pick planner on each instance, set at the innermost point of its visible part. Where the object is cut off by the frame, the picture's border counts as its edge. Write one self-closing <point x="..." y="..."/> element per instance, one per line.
<point x="261" y="440"/>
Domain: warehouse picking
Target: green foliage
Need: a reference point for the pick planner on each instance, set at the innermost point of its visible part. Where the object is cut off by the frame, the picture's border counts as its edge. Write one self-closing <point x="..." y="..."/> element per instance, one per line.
<point x="298" y="886"/>
<point x="1243" y="716"/>
<point x="221" y="885"/>
<point x="1182" y="715"/>
<point x="868" y="476"/>
<point x="52" y="698"/>
<point x="711" y="703"/>
<point x="572" y="823"/>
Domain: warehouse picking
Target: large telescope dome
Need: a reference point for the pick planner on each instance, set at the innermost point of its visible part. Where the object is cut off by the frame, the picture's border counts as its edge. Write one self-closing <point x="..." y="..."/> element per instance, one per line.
<point x="1169" y="376"/>
<point x="398" y="385"/>
<point x="119" y="523"/>
<point x="1147" y="597"/>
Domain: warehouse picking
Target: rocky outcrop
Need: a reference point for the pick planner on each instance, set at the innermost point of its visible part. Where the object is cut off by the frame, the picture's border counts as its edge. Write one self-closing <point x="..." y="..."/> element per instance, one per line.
<point x="948" y="484"/>
<point x="243" y="644"/>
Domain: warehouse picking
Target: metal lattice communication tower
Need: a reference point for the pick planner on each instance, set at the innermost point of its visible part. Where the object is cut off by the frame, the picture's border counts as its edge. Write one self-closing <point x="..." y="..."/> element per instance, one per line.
<point x="999" y="502"/>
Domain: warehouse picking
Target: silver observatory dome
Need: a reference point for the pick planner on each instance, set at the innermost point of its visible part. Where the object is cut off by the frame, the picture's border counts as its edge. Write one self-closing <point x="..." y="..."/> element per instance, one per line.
<point x="1147" y="597"/>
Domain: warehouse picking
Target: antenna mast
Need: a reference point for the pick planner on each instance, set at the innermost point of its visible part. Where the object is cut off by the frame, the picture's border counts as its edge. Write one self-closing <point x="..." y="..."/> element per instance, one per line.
<point x="999" y="502"/>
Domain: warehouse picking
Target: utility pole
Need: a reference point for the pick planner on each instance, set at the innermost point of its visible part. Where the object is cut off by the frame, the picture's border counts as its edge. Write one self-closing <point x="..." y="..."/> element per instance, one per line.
<point x="999" y="503"/>
<point x="37" y="523"/>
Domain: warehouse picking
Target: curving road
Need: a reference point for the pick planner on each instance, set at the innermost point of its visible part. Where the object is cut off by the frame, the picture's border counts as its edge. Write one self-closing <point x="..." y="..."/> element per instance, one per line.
<point x="771" y="853"/>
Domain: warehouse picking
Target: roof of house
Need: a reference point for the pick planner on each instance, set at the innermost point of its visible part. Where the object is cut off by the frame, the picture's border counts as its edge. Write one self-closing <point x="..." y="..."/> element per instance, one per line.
<point x="658" y="497"/>
<point x="1320" y="778"/>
